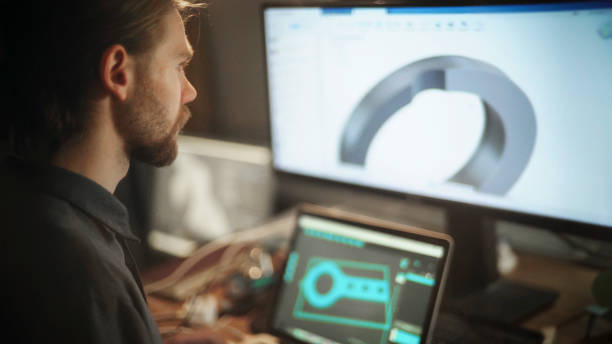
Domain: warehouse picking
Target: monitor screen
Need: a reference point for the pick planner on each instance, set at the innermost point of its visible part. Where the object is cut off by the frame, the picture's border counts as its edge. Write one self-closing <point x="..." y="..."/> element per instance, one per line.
<point x="503" y="106"/>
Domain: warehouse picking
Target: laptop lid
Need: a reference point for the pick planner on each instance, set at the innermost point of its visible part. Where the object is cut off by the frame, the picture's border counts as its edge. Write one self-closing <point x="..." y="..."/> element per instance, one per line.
<point x="352" y="279"/>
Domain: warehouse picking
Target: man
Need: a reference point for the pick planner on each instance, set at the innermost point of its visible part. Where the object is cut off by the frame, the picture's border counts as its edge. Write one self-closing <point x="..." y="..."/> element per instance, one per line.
<point x="94" y="84"/>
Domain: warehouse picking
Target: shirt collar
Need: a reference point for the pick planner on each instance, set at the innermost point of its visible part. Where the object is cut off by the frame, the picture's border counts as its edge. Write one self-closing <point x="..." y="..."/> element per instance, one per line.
<point x="86" y="195"/>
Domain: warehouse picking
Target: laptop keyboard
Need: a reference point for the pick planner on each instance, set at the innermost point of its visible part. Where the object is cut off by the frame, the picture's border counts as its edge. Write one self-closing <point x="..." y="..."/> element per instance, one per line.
<point x="452" y="328"/>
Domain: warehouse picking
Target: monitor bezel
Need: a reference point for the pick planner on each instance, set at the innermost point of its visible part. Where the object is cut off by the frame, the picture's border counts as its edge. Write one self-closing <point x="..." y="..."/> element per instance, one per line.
<point x="554" y="224"/>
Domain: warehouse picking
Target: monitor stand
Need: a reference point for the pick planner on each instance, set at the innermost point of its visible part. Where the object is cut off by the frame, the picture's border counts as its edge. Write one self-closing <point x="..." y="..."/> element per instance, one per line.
<point x="474" y="287"/>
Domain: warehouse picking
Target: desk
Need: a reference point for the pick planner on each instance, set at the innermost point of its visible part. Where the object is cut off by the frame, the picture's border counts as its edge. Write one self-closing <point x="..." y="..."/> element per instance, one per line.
<point x="573" y="282"/>
<point x="567" y="317"/>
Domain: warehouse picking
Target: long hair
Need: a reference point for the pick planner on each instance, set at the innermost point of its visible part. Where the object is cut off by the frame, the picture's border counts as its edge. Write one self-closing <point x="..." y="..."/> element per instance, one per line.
<point x="51" y="62"/>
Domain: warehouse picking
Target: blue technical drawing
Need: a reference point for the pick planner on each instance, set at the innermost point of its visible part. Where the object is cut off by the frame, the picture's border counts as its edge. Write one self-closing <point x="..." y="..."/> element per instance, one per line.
<point x="404" y="263"/>
<point x="412" y="277"/>
<point x="403" y="337"/>
<point x="291" y="266"/>
<point x="323" y="305"/>
<point x="343" y="286"/>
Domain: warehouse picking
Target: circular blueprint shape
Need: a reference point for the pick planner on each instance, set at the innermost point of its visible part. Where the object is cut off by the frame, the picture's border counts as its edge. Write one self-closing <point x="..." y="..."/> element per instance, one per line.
<point x="309" y="285"/>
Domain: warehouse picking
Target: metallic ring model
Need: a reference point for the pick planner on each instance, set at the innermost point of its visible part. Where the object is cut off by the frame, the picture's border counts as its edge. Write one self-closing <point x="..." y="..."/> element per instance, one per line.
<point x="510" y="126"/>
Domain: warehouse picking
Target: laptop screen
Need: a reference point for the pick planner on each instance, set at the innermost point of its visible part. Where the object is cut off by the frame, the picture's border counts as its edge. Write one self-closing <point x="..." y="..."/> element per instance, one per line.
<point x="352" y="283"/>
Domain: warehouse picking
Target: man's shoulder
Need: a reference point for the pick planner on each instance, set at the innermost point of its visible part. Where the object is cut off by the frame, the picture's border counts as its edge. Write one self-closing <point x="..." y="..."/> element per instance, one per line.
<point x="31" y="213"/>
<point x="45" y="231"/>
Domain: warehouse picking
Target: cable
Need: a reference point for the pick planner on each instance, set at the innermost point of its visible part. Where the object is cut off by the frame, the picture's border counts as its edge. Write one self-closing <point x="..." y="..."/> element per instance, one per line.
<point x="215" y="273"/>
<point x="256" y="233"/>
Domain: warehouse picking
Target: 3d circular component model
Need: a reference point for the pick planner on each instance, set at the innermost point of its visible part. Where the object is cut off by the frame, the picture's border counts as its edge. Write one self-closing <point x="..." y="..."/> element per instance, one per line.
<point x="510" y="127"/>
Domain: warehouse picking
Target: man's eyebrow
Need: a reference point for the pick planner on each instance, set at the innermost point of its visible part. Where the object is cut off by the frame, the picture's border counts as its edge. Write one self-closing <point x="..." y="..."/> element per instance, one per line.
<point x="186" y="55"/>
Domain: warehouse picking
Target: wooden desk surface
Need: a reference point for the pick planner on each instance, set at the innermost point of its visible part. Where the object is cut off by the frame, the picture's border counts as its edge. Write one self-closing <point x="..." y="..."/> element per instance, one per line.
<point x="566" y="318"/>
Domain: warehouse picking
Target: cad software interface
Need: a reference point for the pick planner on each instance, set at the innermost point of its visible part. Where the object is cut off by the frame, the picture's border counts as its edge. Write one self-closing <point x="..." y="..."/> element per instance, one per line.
<point x="502" y="106"/>
<point x="348" y="284"/>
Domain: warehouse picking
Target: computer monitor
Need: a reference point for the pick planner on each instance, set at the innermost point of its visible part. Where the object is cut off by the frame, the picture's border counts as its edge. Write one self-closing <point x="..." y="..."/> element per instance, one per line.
<point x="494" y="110"/>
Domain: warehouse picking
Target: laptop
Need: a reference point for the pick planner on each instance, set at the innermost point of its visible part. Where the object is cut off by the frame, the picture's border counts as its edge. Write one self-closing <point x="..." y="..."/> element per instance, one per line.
<point x="352" y="279"/>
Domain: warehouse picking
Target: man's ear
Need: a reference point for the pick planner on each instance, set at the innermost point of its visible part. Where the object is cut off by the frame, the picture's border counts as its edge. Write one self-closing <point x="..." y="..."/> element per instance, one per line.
<point x="116" y="71"/>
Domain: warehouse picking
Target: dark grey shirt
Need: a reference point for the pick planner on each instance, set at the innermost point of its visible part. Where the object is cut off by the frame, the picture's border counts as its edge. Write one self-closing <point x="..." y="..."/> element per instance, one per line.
<point x="68" y="276"/>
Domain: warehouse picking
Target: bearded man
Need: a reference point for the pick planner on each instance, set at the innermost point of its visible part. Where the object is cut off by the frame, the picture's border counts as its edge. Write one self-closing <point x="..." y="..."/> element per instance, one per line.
<point x="94" y="84"/>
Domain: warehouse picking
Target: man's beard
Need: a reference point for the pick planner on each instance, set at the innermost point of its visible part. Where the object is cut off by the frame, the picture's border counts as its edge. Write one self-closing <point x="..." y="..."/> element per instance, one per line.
<point x="142" y="124"/>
